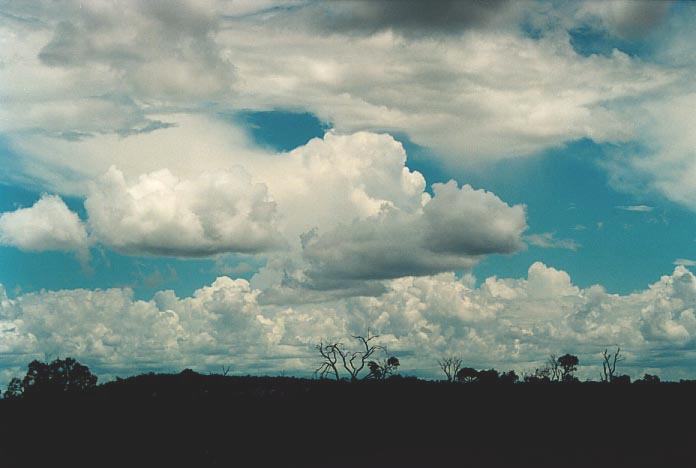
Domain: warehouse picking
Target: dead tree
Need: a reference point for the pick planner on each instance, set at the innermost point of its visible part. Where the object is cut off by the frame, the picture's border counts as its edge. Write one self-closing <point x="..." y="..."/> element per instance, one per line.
<point x="354" y="362"/>
<point x="554" y="368"/>
<point x="450" y="365"/>
<point x="329" y="354"/>
<point x="609" y="364"/>
<point x="226" y="370"/>
<point x="334" y="354"/>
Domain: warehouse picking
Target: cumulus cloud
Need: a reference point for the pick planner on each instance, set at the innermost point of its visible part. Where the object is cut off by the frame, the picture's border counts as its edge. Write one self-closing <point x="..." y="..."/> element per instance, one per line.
<point x="389" y="225"/>
<point x="159" y="214"/>
<point x="340" y="178"/>
<point x="506" y="323"/>
<point x="163" y="215"/>
<point x="47" y="225"/>
<point x="450" y="232"/>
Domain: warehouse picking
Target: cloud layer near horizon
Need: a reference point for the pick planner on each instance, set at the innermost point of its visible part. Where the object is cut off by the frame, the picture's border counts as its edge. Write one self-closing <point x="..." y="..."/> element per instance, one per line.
<point x="503" y="323"/>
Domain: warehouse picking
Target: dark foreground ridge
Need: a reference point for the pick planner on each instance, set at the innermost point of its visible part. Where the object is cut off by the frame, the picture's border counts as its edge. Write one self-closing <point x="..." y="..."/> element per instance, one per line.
<point x="190" y="419"/>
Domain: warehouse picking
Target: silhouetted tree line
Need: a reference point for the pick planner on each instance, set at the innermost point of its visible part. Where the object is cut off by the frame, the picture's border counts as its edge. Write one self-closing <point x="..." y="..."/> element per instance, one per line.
<point x="556" y="369"/>
<point x="366" y="362"/>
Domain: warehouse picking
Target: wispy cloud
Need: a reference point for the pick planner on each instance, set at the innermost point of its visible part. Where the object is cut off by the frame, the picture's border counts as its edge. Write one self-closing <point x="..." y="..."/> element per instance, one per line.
<point x="685" y="262"/>
<point x="548" y="240"/>
<point x="637" y="208"/>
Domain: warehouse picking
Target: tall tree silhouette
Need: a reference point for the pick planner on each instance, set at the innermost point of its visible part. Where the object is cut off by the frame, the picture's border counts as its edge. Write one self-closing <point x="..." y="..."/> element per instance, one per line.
<point x="569" y="364"/>
<point x="58" y="377"/>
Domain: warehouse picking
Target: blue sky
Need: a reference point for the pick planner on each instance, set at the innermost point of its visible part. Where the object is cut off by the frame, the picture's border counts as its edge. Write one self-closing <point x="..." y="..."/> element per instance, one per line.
<point x="178" y="182"/>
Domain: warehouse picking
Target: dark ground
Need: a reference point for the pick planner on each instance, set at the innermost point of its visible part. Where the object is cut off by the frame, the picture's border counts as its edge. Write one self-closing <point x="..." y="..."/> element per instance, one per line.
<point x="196" y="420"/>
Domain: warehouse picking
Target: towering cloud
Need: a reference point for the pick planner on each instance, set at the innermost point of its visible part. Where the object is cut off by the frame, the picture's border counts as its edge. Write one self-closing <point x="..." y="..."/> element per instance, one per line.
<point x="163" y="215"/>
<point x="347" y="205"/>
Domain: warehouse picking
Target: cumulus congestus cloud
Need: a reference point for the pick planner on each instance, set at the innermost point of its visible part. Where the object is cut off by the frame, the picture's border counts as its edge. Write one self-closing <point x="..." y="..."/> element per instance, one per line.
<point x="346" y="205"/>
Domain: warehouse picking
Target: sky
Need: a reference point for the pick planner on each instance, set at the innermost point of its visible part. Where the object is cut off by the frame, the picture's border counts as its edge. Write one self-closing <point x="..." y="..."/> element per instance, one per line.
<point x="226" y="183"/>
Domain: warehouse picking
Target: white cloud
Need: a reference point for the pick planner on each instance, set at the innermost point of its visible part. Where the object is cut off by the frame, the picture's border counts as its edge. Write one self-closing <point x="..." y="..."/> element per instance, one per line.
<point x="474" y="96"/>
<point x="506" y="323"/>
<point x="254" y="202"/>
<point x="665" y="163"/>
<point x="47" y="225"/>
<point x="451" y="232"/>
<point x="163" y="215"/>
<point x="339" y="178"/>
<point x="486" y="93"/>
<point x="637" y="208"/>
<point x="193" y="144"/>
<point x="548" y="240"/>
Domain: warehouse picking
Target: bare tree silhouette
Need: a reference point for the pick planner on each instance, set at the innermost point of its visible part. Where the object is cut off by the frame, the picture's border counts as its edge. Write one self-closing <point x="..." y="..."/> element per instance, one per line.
<point x="450" y="365"/>
<point x="354" y="362"/>
<point x="334" y="353"/>
<point x="329" y="354"/>
<point x="609" y="364"/>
